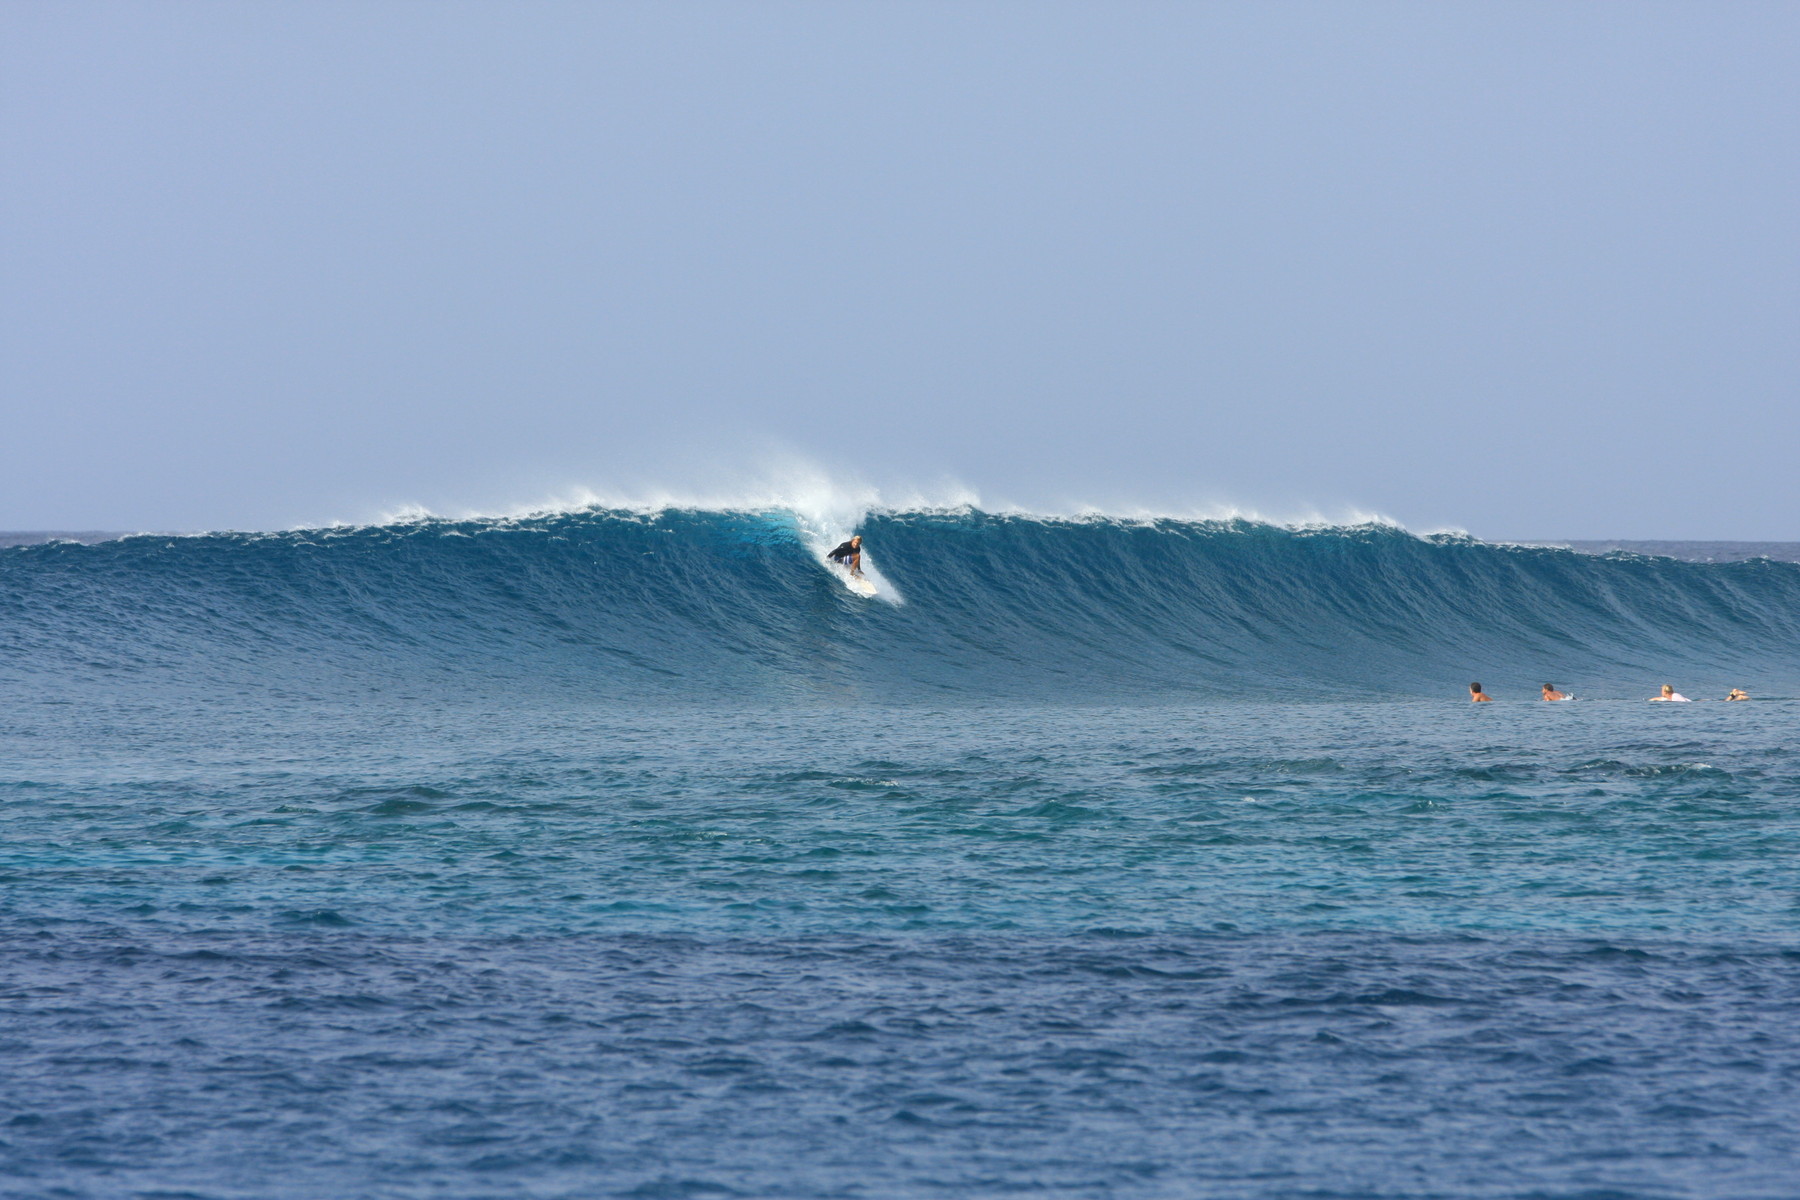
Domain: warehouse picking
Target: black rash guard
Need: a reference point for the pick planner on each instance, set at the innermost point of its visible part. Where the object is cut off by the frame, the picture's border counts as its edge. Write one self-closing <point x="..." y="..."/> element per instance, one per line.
<point x="845" y="551"/>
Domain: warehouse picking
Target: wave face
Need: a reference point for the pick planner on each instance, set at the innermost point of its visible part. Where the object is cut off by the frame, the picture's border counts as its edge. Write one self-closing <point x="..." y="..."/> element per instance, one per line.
<point x="718" y="606"/>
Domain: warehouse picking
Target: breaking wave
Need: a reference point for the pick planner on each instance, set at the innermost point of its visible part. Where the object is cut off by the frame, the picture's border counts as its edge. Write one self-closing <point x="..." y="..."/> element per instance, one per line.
<point x="720" y="605"/>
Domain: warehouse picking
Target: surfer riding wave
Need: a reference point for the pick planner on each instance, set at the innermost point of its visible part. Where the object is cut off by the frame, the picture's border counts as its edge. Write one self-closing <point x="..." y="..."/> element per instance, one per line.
<point x="849" y="555"/>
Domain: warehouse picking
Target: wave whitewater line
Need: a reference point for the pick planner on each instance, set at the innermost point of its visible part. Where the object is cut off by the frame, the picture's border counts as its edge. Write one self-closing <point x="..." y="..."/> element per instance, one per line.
<point x="719" y="605"/>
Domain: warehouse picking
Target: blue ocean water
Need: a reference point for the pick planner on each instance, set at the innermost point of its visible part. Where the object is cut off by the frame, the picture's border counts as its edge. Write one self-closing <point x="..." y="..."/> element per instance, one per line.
<point x="629" y="854"/>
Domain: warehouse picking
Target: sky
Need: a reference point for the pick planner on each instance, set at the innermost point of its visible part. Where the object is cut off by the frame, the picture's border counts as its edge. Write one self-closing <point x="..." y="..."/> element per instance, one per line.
<point x="1528" y="270"/>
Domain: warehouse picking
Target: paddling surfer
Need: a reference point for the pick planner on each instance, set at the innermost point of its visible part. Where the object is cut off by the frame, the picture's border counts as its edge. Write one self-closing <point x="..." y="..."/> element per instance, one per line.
<point x="849" y="555"/>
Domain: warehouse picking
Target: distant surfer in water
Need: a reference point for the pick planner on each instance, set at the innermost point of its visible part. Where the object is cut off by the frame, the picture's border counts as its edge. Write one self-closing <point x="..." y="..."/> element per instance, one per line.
<point x="1550" y="693"/>
<point x="1477" y="696"/>
<point x="1669" y="693"/>
<point x="1738" y="694"/>
<point x="849" y="555"/>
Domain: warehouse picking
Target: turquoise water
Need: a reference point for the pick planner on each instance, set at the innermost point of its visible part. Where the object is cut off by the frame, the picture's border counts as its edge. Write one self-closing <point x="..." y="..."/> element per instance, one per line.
<point x="326" y="873"/>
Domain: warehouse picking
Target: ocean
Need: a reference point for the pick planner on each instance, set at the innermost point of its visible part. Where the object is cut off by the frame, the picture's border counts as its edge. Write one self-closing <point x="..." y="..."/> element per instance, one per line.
<point x="627" y="853"/>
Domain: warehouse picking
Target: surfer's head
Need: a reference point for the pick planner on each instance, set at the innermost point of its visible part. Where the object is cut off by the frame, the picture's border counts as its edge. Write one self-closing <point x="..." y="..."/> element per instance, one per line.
<point x="1668" y="689"/>
<point x="856" y="540"/>
<point x="1474" y="689"/>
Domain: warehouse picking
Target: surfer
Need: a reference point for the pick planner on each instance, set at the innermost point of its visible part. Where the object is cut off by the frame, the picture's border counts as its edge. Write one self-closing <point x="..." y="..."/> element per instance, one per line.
<point x="1477" y="696"/>
<point x="1738" y="694"/>
<point x="1669" y="693"/>
<point x="1550" y="693"/>
<point x="849" y="555"/>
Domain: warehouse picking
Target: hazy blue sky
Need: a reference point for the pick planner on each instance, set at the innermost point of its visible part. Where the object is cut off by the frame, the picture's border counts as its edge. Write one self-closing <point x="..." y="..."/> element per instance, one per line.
<point x="1526" y="269"/>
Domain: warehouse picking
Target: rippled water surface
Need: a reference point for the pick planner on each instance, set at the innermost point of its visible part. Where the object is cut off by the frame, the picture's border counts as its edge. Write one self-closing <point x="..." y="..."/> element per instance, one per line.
<point x="460" y="948"/>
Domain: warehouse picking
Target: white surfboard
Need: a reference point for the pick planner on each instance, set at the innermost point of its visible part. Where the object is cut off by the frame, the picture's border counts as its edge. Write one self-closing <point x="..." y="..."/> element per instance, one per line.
<point x="855" y="583"/>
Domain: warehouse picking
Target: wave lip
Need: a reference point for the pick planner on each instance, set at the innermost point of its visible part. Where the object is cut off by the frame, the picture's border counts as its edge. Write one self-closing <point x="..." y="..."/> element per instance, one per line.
<point x="712" y="603"/>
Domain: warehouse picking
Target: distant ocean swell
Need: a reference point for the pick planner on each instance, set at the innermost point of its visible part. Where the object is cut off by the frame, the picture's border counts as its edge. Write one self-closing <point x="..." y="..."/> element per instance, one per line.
<point x="705" y="604"/>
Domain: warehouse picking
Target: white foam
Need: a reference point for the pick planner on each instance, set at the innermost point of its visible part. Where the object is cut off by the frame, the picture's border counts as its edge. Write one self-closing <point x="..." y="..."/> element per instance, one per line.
<point x="828" y="503"/>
